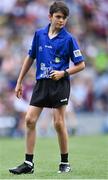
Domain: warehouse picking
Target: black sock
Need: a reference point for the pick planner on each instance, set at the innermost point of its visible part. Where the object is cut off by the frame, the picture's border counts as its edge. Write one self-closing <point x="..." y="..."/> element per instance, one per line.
<point x="29" y="157"/>
<point x="64" y="157"/>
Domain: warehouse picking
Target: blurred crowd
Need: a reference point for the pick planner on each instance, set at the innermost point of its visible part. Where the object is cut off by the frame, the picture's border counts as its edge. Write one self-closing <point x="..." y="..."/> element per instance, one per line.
<point x="88" y="22"/>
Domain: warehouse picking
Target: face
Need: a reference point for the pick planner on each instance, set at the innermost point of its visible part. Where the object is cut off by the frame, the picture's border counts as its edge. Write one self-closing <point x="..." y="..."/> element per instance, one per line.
<point x="58" y="20"/>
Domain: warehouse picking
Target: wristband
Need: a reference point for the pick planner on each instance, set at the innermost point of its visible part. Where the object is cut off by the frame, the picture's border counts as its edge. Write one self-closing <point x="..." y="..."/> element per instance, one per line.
<point x="66" y="73"/>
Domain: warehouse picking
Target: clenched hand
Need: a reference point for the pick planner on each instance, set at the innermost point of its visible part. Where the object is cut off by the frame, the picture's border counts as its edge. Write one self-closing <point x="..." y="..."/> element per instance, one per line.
<point x="56" y="75"/>
<point x="18" y="90"/>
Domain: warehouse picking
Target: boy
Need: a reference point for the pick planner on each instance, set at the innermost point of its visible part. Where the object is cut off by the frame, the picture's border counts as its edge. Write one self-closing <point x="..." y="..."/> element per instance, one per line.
<point x="52" y="47"/>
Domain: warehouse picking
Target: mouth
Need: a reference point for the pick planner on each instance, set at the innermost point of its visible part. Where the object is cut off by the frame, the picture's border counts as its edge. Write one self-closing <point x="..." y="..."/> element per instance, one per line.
<point x="60" y="24"/>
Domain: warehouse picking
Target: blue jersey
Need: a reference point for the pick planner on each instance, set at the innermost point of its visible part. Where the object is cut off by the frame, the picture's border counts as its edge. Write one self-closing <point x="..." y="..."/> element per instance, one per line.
<point x="55" y="53"/>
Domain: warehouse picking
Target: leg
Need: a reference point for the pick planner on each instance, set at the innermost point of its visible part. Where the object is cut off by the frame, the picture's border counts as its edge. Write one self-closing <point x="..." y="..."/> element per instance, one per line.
<point x="31" y="119"/>
<point x="59" y="124"/>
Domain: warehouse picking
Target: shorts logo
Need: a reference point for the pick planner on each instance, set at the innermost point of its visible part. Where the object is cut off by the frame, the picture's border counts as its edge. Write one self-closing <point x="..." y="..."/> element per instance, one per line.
<point x="77" y="53"/>
<point x="63" y="100"/>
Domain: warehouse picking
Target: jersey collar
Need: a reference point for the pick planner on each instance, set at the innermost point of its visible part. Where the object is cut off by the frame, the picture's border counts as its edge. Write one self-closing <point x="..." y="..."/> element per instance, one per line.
<point x="61" y="34"/>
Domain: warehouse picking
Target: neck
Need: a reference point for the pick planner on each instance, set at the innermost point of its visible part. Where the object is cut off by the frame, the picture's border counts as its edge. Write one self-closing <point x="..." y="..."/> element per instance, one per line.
<point x="53" y="30"/>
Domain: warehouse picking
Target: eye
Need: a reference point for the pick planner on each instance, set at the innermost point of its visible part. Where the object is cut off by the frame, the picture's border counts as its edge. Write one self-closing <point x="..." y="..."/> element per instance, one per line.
<point x="59" y="17"/>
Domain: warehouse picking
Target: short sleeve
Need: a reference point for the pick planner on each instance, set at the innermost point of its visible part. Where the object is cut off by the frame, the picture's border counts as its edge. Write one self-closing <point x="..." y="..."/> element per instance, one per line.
<point x="32" y="50"/>
<point x="75" y="53"/>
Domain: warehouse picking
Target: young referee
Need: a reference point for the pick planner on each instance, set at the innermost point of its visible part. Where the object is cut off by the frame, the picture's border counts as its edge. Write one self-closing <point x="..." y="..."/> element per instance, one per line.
<point x="52" y="47"/>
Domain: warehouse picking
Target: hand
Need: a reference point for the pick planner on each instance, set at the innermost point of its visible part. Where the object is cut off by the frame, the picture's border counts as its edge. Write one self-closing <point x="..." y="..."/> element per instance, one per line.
<point x="56" y="75"/>
<point x="18" y="90"/>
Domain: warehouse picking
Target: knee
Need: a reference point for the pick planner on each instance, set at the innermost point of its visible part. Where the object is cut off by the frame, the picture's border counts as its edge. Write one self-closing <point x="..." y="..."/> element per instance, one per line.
<point x="30" y="122"/>
<point x="58" y="124"/>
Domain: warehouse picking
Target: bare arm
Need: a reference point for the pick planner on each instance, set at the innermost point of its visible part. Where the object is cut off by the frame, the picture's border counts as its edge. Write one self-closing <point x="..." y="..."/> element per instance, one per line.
<point x="77" y="68"/>
<point x="25" y="67"/>
<point x="56" y="75"/>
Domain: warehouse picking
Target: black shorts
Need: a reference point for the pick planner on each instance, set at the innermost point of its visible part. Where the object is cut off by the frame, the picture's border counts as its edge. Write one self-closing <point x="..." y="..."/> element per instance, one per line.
<point x="50" y="93"/>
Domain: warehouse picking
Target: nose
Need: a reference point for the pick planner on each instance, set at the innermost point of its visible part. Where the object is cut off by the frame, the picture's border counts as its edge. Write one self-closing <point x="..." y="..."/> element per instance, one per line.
<point x="61" y="20"/>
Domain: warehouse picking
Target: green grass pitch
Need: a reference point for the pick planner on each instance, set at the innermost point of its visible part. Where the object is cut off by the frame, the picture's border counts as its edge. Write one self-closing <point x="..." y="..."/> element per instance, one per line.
<point x="88" y="156"/>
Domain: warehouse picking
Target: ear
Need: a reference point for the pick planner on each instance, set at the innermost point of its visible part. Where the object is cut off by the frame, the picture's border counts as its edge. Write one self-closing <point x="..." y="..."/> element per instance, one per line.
<point x="50" y="17"/>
